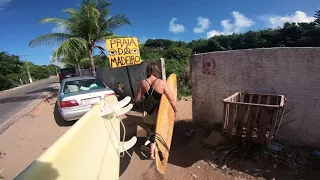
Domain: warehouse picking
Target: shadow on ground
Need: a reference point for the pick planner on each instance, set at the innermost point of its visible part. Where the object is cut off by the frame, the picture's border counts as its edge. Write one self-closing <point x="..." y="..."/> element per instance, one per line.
<point x="41" y="90"/>
<point x="19" y="99"/>
<point x="187" y="150"/>
<point x="45" y="171"/>
<point x="59" y="120"/>
<point x="56" y="114"/>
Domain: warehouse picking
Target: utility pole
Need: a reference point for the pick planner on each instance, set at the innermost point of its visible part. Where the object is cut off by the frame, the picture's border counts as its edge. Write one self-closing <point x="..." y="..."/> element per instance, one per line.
<point x="25" y="60"/>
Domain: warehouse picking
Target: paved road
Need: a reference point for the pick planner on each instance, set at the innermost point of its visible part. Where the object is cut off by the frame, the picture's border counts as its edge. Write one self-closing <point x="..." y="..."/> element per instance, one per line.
<point x="13" y="101"/>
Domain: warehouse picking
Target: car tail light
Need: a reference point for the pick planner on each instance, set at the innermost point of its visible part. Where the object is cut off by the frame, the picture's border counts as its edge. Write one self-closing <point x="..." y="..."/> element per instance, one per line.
<point x="60" y="76"/>
<point x="112" y="94"/>
<point x="71" y="103"/>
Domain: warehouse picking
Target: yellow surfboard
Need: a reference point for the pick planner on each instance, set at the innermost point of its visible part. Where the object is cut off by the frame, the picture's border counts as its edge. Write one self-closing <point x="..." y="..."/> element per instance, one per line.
<point x="164" y="126"/>
<point x="90" y="149"/>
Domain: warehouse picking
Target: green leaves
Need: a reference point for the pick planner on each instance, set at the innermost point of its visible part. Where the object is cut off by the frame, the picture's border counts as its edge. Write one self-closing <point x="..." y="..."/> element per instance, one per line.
<point x="12" y="69"/>
<point x="73" y="47"/>
<point x="115" y="22"/>
<point x="57" y="21"/>
<point x="178" y="53"/>
<point x="53" y="38"/>
<point x="85" y="26"/>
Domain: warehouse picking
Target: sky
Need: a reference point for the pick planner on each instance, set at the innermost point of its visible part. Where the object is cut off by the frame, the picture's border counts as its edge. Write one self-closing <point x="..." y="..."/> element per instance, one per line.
<point x="183" y="20"/>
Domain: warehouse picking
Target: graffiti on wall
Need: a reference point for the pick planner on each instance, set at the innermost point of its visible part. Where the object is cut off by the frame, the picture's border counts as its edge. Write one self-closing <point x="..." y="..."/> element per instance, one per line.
<point x="208" y="66"/>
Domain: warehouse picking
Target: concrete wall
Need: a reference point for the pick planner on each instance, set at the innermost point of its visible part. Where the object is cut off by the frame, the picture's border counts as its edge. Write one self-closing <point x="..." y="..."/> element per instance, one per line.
<point x="114" y="76"/>
<point x="293" y="72"/>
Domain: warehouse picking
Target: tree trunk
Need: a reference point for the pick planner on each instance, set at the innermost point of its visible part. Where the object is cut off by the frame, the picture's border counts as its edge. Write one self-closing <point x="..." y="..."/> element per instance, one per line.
<point x="79" y="69"/>
<point x="93" y="69"/>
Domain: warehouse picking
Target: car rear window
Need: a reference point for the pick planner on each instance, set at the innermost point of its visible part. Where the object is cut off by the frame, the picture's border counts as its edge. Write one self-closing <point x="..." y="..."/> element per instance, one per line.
<point x="82" y="85"/>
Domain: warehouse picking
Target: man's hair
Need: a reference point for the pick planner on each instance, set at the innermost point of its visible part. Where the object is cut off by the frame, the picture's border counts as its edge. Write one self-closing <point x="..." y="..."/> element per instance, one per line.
<point x="153" y="69"/>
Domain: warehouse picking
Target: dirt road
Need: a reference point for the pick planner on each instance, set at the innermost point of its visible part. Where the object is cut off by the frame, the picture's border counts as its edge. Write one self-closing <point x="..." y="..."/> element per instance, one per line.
<point x="30" y="136"/>
<point x="26" y="139"/>
<point x="15" y="103"/>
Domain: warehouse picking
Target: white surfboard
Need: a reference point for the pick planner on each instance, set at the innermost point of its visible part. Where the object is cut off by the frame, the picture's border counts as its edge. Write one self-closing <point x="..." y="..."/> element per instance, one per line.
<point x="110" y="108"/>
<point x="117" y="112"/>
<point x="90" y="149"/>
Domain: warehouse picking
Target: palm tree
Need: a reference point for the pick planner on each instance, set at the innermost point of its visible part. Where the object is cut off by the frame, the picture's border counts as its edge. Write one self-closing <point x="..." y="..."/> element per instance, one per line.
<point x="83" y="29"/>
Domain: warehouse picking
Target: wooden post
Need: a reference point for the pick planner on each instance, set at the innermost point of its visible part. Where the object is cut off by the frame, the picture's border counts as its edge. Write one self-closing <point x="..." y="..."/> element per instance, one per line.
<point x="129" y="77"/>
<point x="163" y="69"/>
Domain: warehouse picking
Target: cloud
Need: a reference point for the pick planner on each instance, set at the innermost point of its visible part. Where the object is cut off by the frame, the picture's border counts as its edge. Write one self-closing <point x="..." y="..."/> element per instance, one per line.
<point x="227" y="26"/>
<point x="203" y="24"/>
<point x="60" y="28"/>
<point x="175" y="28"/>
<point x="216" y="33"/>
<point x="241" y="23"/>
<point x="298" y="16"/>
<point x="4" y="4"/>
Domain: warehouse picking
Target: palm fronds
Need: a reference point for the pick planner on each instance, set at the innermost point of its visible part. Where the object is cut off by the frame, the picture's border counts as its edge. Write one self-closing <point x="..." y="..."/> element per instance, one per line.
<point x="72" y="47"/>
<point x="71" y="11"/>
<point x="58" y="21"/>
<point x="50" y="39"/>
<point x="85" y="26"/>
<point x="115" y="22"/>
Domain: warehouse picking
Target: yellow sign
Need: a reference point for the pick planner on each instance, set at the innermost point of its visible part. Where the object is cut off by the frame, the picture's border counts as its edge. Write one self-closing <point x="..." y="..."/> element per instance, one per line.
<point x="123" y="52"/>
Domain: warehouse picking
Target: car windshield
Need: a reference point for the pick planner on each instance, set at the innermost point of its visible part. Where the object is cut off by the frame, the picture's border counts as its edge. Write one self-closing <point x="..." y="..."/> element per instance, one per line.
<point x="82" y="85"/>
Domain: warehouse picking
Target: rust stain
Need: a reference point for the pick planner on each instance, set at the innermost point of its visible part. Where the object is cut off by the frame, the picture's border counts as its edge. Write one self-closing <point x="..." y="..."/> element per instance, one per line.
<point x="208" y="67"/>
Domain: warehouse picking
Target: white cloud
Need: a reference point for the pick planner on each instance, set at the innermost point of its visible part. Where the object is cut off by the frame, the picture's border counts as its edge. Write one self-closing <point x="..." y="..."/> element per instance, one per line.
<point x="203" y="24"/>
<point x="216" y="33"/>
<point x="298" y="16"/>
<point x="175" y="28"/>
<point x="3" y="4"/>
<point x="241" y="23"/>
<point x="60" y="28"/>
<point x="227" y="26"/>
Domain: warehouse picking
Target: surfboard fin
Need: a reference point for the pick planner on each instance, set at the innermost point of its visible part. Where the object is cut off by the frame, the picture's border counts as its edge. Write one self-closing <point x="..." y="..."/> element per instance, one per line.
<point x="117" y="107"/>
<point x="124" y="146"/>
<point x="147" y="142"/>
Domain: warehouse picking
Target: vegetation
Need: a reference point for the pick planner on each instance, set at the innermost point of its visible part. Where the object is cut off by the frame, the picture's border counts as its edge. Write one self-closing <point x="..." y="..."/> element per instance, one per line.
<point x="92" y="23"/>
<point x="85" y="27"/>
<point x="13" y="71"/>
<point x="177" y="53"/>
<point x="99" y="61"/>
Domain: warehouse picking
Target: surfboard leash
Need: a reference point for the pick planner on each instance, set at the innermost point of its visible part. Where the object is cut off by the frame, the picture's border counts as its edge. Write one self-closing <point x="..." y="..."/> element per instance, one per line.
<point x="155" y="136"/>
<point x="124" y="130"/>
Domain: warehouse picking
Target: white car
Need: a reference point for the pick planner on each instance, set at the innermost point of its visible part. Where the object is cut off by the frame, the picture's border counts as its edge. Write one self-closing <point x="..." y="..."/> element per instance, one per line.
<point x="77" y="95"/>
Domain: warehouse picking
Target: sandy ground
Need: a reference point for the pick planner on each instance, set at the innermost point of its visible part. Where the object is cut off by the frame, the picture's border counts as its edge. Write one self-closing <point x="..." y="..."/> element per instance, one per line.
<point x="25" y="140"/>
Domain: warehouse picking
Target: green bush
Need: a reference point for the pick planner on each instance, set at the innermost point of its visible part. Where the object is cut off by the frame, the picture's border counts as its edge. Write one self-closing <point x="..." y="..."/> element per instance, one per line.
<point x="181" y="68"/>
<point x="178" y="53"/>
<point x="5" y="83"/>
